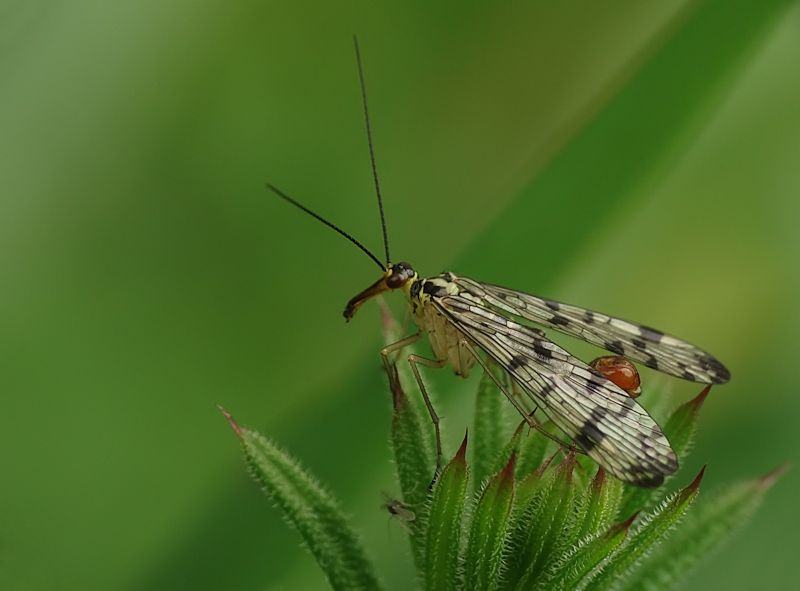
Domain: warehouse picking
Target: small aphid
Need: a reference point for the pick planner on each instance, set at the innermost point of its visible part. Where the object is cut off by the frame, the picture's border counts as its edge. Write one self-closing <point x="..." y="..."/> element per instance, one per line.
<point x="399" y="510"/>
<point x="621" y="371"/>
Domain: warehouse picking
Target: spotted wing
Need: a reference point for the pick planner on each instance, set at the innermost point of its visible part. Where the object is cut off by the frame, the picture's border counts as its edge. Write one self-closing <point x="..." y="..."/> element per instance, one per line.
<point x="651" y="347"/>
<point x="611" y="427"/>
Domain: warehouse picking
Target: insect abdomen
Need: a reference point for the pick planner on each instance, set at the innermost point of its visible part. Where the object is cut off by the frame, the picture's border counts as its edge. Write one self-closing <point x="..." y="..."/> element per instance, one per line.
<point x="444" y="339"/>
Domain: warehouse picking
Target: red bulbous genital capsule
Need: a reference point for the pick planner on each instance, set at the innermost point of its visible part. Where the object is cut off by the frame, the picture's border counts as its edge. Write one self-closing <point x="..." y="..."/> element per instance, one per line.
<point x="621" y="371"/>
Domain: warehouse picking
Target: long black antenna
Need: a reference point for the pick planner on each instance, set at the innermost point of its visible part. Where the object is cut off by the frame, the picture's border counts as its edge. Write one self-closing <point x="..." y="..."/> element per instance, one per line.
<point x="371" y="147"/>
<point x="280" y="193"/>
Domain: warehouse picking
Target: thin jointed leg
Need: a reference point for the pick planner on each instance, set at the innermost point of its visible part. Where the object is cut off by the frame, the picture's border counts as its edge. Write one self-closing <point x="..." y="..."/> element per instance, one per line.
<point x="391" y="371"/>
<point x="436" y="364"/>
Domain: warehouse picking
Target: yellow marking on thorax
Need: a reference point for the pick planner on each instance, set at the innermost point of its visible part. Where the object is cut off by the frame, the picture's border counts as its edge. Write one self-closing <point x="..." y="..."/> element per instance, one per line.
<point x="442" y="335"/>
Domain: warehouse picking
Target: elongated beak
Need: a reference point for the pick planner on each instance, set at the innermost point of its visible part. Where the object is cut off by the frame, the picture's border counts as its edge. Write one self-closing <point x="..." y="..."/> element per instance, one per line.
<point x="375" y="289"/>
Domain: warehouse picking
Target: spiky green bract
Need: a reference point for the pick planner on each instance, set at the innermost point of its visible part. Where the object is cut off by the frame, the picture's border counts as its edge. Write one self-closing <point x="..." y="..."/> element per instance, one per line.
<point x="484" y="555"/>
<point x="533" y="449"/>
<point x="310" y="509"/>
<point x="410" y="438"/>
<point x="681" y="427"/>
<point x="567" y="573"/>
<point x="680" y="430"/>
<point x="511" y="448"/>
<point x="600" y="505"/>
<point x="490" y="428"/>
<point x="443" y="535"/>
<point x="414" y="464"/>
<point x="620" y="565"/>
<point x="542" y="529"/>
<point x="530" y="485"/>
<point x="703" y="530"/>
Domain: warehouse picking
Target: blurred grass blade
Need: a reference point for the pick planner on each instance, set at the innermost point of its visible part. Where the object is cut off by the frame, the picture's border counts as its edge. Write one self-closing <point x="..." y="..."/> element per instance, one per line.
<point x="703" y="530"/>
<point x="582" y="558"/>
<point x="541" y="529"/>
<point x="600" y="505"/>
<point x="443" y="534"/>
<point x="483" y="558"/>
<point x="308" y="508"/>
<point x="651" y="531"/>
<point x="680" y="430"/>
<point x="489" y="425"/>
<point x="683" y="65"/>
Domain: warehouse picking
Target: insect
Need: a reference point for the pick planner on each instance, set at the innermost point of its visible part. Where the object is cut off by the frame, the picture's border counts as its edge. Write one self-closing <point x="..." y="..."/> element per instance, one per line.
<point x="399" y="510"/>
<point x="469" y="322"/>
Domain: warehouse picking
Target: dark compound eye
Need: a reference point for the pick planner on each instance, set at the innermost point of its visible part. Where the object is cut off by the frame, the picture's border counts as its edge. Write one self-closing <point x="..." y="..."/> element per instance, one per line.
<point x="401" y="272"/>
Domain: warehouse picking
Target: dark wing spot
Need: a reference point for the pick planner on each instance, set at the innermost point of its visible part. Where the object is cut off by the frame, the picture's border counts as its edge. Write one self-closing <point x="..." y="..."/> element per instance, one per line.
<point x="651" y="362"/>
<point x="433" y="290"/>
<point x="551" y="304"/>
<point x="516" y="362"/>
<point x="547" y="389"/>
<point x="720" y="373"/>
<point x="689" y="376"/>
<point x="646" y="479"/>
<point x="588" y="316"/>
<point x="584" y="442"/>
<point x="542" y="351"/>
<point x="559" y="320"/>
<point x="650" y="334"/>
<point x="589" y="435"/>
<point x="616" y="347"/>
<point x="639" y="344"/>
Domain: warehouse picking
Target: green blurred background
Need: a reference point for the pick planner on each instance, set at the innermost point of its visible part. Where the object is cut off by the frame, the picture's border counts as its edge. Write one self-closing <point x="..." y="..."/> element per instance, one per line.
<point x="640" y="158"/>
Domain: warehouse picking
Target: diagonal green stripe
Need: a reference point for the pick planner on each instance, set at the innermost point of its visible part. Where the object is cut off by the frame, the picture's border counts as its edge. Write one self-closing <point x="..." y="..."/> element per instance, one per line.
<point x="630" y="142"/>
<point x="586" y="183"/>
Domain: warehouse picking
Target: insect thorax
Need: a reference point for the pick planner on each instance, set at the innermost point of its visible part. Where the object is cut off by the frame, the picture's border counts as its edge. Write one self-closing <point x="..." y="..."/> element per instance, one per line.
<point x="444" y="337"/>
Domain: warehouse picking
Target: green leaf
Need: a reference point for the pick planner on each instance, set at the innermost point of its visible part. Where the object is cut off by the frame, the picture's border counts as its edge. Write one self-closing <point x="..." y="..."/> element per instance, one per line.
<point x="583" y="557"/>
<point x="483" y="558"/>
<point x="310" y="509"/>
<point x="600" y="505"/>
<point x="443" y="533"/>
<point x="709" y="525"/>
<point x="680" y="430"/>
<point x="489" y="425"/>
<point x="542" y="530"/>
<point x="649" y="533"/>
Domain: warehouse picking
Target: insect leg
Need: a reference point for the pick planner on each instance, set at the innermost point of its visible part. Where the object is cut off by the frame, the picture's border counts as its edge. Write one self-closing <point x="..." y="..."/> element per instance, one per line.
<point x="527" y="416"/>
<point x="436" y="364"/>
<point x="394" y="382"/>
<point x="397" y="347"/>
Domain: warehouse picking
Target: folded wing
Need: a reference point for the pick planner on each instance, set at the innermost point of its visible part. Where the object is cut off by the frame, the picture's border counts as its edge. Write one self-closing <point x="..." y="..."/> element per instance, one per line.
<point x="649" y="346"/>
<point x="611" y="427"/>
